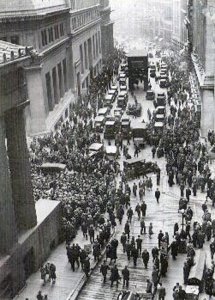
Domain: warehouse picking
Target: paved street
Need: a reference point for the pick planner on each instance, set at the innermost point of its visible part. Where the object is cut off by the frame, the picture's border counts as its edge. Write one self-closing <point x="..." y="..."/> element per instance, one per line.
<point x="162" y="215"/>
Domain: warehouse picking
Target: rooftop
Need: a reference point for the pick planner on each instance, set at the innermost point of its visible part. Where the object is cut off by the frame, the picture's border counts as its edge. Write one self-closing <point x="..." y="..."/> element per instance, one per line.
<point x="137" y="53"/>
<point x="10" y="52"/>
<point x="23" y="8"/>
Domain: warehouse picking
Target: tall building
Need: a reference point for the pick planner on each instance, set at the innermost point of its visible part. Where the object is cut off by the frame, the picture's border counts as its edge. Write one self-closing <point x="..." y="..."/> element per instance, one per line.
<point x="68" y="35"/>
<point x="180" y="19"/>
<point x="202" y="41"/>
<point x="45" y="25"/>
<point x="106" y="29"/>
<point x="86" y="43"/>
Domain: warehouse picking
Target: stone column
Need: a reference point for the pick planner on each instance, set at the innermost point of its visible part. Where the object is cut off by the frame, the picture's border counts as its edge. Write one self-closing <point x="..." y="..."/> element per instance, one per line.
<point x="20" y="170"/>
<point x="208" y="112"/>
<point x="8" y="230"/>
<point x="37" y="99"/>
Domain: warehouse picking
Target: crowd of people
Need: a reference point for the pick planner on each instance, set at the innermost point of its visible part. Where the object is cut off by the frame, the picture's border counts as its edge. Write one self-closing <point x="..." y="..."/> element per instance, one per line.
<point x="93" y="199"/>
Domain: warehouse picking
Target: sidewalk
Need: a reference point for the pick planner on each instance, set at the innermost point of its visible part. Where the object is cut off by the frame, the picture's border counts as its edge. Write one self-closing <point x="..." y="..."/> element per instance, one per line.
<point x="68" y="283"/>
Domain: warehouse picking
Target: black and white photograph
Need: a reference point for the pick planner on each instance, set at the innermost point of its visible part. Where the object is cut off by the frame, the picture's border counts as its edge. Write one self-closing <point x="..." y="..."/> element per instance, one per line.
<point x="107" y="150"/>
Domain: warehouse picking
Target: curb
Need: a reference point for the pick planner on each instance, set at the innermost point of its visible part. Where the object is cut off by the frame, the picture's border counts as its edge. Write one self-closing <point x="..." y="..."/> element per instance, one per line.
<point x="81" y="284"/>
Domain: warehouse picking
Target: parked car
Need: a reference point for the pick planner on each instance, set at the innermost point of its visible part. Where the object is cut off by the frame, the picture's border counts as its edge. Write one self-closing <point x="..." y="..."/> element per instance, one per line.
<point x="163" y="83"/>
<point x="96" y="150"/>
<point x="122" y="99"/>
<point x="110" y="130"/>
<point x="99" y="123"/>
<point x="150" y="95"/>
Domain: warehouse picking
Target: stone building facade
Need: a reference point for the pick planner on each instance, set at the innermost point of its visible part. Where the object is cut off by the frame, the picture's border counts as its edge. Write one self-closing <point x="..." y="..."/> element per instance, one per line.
<point x="45" y="25"/>
<point x="202" y="41"/>
<point x="85" y="23"/>
<point x="23" y="246"/>
<point x="68" y="36"/>
<point x="179" y="22"/>
<point x="106" y="29"/>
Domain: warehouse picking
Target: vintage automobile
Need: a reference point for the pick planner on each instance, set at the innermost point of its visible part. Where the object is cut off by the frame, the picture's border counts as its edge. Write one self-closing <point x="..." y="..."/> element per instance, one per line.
<point x="108" y="100"/>
<point x="110" y="130"/>
<point x="103" y="112"/>
<point x="140" y="134"/>
<point x="152" y="73"/>
<point x="115" y="88"/>
<point x="96" y="151"/>
<point x="48" y="168"/>
<point x="99" y="123"/>
<point x="196" y="275"/>
<point x="122" y="99"/>
<point x="159" y="117"/>
<point x="161" y="99"/>
<point x="123" y="67"/>
<point x="125" y="127"/>
<point x="118" y="113"/>
<point x="135" y="168"/>
<point x="150" y="95"/>
<point x="160" y="110"/>
<point x="123" y="88"/>
<point x="163" y="83"/>
<point x="134" y="110"/>
<point x="113" y="93"/>
<point x="122" y="81"/>
<point x="111" y="152"/>
<point x="158" y="127"/>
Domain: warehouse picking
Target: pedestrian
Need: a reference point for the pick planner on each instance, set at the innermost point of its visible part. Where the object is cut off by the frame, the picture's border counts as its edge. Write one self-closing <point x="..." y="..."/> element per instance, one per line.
<point x="153" y="151"/>
<point x="145" y="257"/>
<point x="125" y="275"/>
<point x="143" y="208"/>
<point x="134" y="254"/>
<point x="142" y="226"/>
<point x="160" y="236"/>
<point x="39" y="296"/>
<point x="148" y="286"/>
<point x="150" y="230"/>
<point x="123" y="241"/>
<point x="87" y="266"/>
<point x="134" y="189"/>
<point x="127" y="229"/>
<point x="114" y="276"/>
<point x="139" y="244"/>
<point x="104" y="269"/>
<point x="161" y="292"/>
<point x="157" y="195"/>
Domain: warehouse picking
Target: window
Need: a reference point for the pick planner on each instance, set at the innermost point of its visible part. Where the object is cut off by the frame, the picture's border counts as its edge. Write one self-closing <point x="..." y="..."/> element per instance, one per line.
<point x="65" y="75"/>
<point x="44" y="38"/>
<point x="55" y="89"/>
<point x="94" y="49"/>
<point x="14" y="39"/>
<point x="97" y="50"/>
<point x="99" y="35"/>
<point x="62" y="29"/>
<point x="82" y="60"/>
<point x="51" y="35"/>
<point x="85" y="55"/>
<point x="60" y="80"/>
<point x="3" y="38"/>
<point x="49" y="91"/>
<point x="56" y="32"/>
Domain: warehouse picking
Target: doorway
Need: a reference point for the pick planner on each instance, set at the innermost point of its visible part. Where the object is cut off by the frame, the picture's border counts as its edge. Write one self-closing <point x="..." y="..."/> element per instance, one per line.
<point x="29" y="263"/>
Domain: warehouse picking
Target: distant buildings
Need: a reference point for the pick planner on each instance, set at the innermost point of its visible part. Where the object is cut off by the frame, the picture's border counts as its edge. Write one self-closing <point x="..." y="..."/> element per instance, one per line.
<point x="68" y="36"/>
<point x="180" y="23"/>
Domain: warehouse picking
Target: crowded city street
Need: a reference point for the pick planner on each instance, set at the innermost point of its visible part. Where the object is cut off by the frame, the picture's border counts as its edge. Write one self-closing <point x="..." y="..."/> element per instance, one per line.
<point x="102" y="201"/>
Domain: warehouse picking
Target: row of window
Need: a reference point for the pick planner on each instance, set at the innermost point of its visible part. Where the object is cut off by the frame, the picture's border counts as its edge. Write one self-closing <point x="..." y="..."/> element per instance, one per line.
<point x="90" y="50"/>
<point x="56" y="84"/>
<point x="84" y="18"/>
<point x="52" y="33"/>
<point x="14" y="39"/>
<point x="96" y="71"/>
